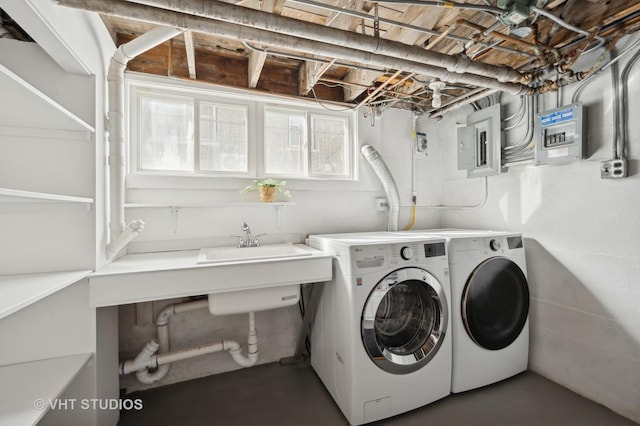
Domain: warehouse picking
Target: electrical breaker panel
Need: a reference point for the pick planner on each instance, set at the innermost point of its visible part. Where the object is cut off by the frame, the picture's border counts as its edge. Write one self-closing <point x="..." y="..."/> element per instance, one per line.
<point x="480" y="143"/>
<point x="560" y="135"/>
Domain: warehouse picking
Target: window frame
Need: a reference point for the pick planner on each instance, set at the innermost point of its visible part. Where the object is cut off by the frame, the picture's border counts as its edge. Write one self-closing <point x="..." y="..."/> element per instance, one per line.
<point x="256" y="105"/>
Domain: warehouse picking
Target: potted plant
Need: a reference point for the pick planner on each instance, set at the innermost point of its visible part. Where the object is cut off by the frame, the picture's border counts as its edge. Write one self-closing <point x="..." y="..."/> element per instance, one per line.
<point x="268" y="189"/>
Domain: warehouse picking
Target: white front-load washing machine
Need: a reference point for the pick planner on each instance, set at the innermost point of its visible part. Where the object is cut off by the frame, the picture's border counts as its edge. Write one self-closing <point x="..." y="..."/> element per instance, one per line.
<point x="380" y="339"/>
<point x="489" y="305"/>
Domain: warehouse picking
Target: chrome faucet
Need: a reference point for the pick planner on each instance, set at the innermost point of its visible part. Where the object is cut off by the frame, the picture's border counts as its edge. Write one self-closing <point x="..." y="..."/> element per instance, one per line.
<point x="248" y="240"/>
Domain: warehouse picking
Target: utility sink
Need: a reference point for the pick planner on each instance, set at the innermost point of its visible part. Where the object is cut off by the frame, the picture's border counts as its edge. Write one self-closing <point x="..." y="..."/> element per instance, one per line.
<point x="248" y="254"/>
<point x="272" y="297"/>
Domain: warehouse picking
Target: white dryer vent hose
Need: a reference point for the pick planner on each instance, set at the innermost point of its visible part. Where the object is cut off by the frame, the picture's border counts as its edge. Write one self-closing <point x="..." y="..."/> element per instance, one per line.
<point x="391" y="189"/>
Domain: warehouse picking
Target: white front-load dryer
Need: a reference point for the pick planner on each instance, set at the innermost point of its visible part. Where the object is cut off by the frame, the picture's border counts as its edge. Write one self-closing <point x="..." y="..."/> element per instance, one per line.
<point x="490" y="305"/>
<point x="380" y="339"/>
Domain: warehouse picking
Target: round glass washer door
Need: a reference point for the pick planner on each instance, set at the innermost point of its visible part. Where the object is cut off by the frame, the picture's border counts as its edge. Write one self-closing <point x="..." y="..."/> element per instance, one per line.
<point x="495" y="303"/>
<point x="404" y="320"/>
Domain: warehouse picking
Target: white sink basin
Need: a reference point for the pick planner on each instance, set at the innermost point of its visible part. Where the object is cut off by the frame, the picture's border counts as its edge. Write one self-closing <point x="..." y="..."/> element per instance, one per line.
<point x="247" y="254"/>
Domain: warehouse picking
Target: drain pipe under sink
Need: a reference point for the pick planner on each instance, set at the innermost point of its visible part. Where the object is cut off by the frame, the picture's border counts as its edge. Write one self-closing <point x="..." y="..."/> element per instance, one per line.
<point x="391" y="189"/>
<point x="153" y="361"/>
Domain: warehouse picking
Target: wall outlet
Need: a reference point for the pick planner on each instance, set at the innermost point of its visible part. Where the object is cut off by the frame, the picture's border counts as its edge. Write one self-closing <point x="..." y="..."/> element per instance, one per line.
<point x="381" y="204"/>
<point x="613" y="169"/>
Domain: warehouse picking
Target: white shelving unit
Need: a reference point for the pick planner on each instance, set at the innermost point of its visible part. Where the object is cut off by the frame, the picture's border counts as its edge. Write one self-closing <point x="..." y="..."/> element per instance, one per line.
<point x="30" y="389"/>
<point x="43" y="112"/>
<point x="32" y="113"/>
<point x="20" y="291"/>
<point x="47" y="327"/>
<point x="16" y="196"/>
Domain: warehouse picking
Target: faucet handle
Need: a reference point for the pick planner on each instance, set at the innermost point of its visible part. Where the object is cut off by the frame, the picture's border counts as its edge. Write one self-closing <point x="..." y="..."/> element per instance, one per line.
<point x="241" y="242"/>
<point x="244" y="226"/>
<point x="256" y="241"/>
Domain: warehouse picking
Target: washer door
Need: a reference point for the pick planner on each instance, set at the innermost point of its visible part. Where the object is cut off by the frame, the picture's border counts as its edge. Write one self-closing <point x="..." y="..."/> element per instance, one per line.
<point x="495" y="303"/>
<point x="404" y="320"/>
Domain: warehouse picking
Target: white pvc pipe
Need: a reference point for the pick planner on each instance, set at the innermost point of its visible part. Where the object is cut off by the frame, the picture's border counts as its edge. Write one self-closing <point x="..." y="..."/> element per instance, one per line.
<point x="153" y="362"/>
<point x="142" y="361"/>
<point x="252" y="346"/>
<point x="117" y="164"/>
<point x="131" y="231"/>
<point x="389" y="185"/>
<point x="162" y="324"/>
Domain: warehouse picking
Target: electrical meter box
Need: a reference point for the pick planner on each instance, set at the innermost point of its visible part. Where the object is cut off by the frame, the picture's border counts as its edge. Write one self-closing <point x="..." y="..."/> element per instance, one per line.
<point x="480" y="143"/>
<point x="560" y="135"/>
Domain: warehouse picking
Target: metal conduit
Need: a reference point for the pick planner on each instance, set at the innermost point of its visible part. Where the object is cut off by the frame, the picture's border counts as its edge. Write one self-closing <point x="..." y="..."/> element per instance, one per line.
<point x="568" y="26"/>
<point x="157" y="16"/>
<point x="467" y="6"/>
<point x="255" y="19"/>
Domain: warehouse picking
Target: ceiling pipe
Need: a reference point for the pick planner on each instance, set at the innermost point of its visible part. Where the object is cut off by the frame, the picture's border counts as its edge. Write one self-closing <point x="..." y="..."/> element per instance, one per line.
<point x="239" y="15"/>
<point x="446" y="34"/>
<point x="157" y="16"/>
<point x="437" y="115"/>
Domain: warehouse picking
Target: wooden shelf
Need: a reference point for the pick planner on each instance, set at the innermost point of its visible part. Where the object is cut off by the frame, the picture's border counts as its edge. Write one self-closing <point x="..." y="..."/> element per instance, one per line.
<point x="20" y="291"/>
<point x="18" y="196"/>
<point x="25" y="106"/>
<point x="24" y="386"/>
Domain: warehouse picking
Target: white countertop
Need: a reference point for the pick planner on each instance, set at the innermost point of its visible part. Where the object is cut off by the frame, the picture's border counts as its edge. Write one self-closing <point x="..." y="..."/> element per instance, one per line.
<point x="154" y="276"/>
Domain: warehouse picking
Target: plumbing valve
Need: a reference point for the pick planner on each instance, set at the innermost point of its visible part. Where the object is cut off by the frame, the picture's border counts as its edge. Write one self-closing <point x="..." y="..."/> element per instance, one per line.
<point x="436" y="86"/>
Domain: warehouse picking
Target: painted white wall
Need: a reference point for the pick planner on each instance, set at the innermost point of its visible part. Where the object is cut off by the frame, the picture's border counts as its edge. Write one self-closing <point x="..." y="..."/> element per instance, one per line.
<point x="583" y="246"/>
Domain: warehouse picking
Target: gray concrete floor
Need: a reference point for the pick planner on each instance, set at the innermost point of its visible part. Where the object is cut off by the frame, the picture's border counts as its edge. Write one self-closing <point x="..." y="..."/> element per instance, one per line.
<point x="292" y="395"/>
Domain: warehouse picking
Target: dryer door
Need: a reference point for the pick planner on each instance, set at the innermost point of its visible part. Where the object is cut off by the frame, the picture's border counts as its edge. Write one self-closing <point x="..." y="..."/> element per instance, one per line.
<point x="495" y="303"/>
<point x="404" y="320"/>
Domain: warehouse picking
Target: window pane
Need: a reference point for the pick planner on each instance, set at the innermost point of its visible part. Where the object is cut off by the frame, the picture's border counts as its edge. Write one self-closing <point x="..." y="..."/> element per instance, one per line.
<point x="166" y="134"/>
<point x="223" y="138"/>
<point x="329" y="146"/>
<point x="284" y="143"/>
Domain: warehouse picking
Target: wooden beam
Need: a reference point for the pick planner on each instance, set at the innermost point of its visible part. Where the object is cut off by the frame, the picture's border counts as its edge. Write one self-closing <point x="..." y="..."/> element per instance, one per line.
<point x="273" y="6"/>
<point x="191" y="53"/>
<point x="310" y="73"/>
<point x="361" y="77"/>
<point x="257" y="59"/>
<point x="256" y="62"/>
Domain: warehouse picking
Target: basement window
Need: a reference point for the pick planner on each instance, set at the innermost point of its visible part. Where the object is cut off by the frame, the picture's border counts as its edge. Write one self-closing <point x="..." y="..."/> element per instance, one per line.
<point x="190" y="129"/>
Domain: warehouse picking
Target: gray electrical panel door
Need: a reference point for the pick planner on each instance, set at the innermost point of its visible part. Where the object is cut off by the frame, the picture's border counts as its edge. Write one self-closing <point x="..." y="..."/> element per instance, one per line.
<point x="560" y="135"/>
<point x="480" y="143"/>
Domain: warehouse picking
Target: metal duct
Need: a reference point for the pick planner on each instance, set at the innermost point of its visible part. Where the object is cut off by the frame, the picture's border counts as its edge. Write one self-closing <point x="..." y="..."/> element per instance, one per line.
<point x="390" y="188"/>
<point x="200" y="24"/>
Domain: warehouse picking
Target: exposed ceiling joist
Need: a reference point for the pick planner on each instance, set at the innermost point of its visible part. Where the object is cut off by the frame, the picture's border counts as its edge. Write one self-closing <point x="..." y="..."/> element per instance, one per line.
<point x="426" y="42"/>
<point x="191" y="54"/>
